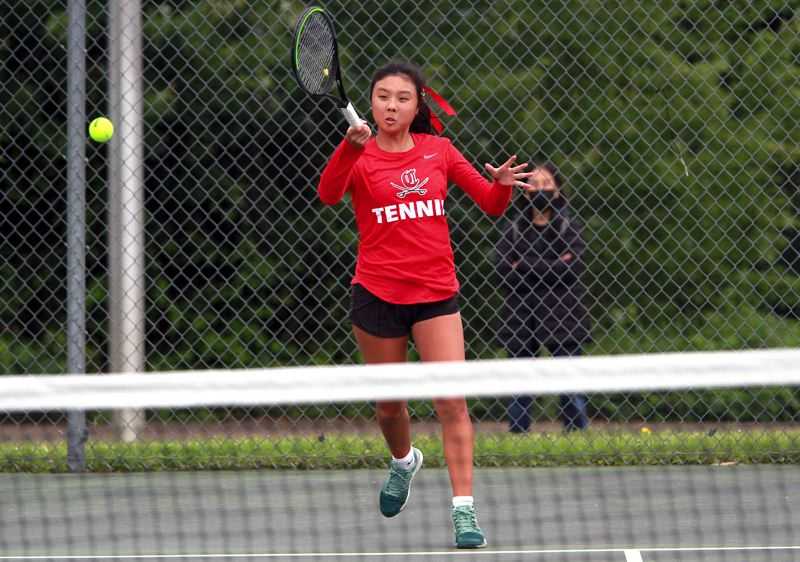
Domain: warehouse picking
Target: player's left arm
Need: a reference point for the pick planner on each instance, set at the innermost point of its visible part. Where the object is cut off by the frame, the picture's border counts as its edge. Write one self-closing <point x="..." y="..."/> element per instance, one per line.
<point x="492" y="197"/>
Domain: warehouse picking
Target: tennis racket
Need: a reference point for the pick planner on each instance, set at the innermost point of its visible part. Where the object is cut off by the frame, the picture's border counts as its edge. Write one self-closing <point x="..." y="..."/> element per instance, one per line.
<point x="315" y="60"/>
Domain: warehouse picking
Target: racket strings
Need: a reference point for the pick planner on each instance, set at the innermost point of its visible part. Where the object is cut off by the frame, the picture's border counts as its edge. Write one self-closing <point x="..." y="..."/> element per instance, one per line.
<point x="316" y="56"/>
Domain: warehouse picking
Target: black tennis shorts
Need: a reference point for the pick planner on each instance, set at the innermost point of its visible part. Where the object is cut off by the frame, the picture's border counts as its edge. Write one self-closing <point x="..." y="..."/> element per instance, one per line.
<point x="387" y="320"/>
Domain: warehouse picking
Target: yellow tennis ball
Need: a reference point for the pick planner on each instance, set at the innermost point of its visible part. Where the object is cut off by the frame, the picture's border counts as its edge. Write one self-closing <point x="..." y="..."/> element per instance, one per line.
<point x="645" y="430"/>
<point x="101" y="129"/>
<point x="325" y="72"/>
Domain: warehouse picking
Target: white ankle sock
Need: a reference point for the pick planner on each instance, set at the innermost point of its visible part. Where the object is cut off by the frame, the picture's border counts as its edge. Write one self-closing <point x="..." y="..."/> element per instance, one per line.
<point x="406" y="462"/>
<point x="459" y="501"/>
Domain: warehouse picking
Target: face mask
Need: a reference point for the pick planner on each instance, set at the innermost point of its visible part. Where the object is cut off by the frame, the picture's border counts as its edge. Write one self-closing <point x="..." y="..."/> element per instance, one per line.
<point x="541" y="200"/>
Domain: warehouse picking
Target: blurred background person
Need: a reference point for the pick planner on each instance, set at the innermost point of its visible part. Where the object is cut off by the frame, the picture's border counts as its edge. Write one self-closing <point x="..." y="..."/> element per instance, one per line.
<point x="540" y="262"/>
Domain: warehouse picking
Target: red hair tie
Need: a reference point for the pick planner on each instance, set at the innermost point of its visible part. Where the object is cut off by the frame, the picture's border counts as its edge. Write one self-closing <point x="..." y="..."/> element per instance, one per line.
<point x="436" y="123"/>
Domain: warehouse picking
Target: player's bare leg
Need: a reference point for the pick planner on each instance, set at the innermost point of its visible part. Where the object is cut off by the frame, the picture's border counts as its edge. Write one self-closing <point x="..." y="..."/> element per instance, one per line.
<point x="392" y="416"/>
<point x="442" y="339"/>
<point x="394" y="423"/>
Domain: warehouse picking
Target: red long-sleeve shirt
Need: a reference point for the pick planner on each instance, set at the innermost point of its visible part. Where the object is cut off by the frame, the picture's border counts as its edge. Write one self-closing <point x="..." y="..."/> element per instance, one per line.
<point x="404" y="253"/>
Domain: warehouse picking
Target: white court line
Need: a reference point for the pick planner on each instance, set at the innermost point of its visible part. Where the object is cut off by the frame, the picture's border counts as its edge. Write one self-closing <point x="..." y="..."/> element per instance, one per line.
<point x="633" y="556"/>
<point x="626" y="552"/>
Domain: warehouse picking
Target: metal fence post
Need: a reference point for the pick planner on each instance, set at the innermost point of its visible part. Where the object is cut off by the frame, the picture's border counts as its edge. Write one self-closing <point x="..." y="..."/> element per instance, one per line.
<point x="126" y="204"/>
<point x="76" y="224"/>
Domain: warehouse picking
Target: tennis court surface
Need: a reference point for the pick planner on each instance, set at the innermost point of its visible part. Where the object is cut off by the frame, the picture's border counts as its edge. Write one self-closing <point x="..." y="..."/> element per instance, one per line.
<point x="597" y="495"/>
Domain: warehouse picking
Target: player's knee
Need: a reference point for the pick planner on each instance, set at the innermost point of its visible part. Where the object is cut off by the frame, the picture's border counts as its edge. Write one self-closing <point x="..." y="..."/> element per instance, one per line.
<point x="390" y="410"/>
<point x="451" y="410"/>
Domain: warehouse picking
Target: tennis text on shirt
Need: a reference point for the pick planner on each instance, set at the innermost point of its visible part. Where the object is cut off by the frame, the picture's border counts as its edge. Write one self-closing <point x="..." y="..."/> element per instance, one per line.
<point x="409" y="183"/>
<point x="406" y="211"/>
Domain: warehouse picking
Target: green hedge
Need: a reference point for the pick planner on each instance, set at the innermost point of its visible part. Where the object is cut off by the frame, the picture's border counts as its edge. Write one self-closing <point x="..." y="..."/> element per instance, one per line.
<point x="534" y="450"/>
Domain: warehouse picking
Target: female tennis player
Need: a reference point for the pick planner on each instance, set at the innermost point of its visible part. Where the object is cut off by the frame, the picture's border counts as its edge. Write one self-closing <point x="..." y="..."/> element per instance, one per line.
<point x="405" y="281"/>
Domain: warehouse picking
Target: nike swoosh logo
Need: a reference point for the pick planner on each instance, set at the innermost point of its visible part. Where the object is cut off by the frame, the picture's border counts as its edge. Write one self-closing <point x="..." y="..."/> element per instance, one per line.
<point x="429" y="156"/>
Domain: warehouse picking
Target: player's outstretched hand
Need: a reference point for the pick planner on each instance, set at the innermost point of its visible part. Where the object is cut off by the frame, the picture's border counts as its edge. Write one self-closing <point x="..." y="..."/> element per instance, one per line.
<point x="508" y="173"/>
<point x="358" y="136"/>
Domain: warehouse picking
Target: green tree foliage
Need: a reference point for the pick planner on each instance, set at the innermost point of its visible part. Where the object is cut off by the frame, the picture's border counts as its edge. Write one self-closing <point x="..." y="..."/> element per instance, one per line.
<point x="246" y="268"/>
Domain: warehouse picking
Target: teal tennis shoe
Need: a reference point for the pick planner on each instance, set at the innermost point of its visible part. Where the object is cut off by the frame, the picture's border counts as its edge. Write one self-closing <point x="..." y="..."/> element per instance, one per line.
<point x="397" y="488"/>
<point x="465" y="524"/>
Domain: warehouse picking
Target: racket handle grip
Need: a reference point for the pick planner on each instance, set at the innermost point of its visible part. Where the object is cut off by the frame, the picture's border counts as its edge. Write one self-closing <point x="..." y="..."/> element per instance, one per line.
<point x="350" y="114"/>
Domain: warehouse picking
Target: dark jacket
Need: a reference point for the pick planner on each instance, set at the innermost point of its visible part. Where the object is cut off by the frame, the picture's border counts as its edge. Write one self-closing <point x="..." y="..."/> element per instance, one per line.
<point x="544" y="295"/>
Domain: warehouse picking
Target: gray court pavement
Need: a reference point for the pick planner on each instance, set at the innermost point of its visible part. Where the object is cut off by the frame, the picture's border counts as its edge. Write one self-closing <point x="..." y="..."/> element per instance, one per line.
<point x="542" y="515"/>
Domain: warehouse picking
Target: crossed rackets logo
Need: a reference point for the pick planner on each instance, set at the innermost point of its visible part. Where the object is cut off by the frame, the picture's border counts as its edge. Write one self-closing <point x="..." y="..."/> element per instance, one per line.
<point x="411" y="184"/>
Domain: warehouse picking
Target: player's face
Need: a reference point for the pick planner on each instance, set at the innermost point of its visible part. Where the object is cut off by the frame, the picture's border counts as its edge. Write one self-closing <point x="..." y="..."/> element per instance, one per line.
<point x="394" y="103"/>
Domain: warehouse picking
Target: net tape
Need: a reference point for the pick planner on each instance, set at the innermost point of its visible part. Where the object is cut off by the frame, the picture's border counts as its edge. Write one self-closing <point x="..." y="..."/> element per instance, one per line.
<point x="400" y="381"/>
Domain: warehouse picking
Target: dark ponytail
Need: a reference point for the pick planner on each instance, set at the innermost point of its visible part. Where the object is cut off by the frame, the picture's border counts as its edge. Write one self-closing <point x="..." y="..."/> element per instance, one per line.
<point x="422" y="121"/>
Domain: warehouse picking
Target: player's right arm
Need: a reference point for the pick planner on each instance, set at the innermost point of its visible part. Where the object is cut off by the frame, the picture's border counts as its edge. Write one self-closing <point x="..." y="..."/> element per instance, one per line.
<point x="336" y="177"/>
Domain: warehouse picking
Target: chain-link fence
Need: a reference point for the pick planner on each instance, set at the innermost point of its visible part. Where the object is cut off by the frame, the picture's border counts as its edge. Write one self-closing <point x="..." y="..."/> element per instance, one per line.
<point x="675" y="125"/>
